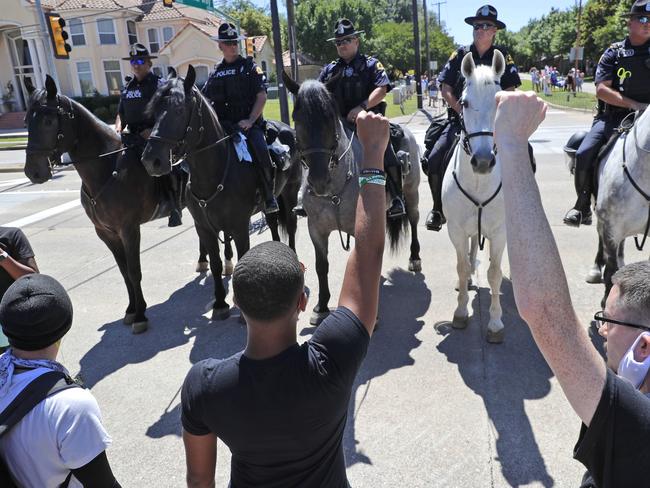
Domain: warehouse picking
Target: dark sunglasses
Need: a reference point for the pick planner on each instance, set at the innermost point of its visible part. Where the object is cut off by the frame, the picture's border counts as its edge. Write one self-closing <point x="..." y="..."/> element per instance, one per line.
<point x="601" y="321"/>
<point x="485" y="26"/>
<point x="137" y="62"/>
<point x="641" y="20"/>
<point x="230" y="43"/>
<point x="343" y="42"/>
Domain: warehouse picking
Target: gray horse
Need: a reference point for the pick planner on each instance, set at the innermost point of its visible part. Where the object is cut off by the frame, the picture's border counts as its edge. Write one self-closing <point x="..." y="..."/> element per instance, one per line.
<point x="332" y="153"/>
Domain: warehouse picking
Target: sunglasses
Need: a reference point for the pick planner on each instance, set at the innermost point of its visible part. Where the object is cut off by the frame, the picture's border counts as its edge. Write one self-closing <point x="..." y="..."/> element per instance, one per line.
<point x="137" y="62"/>
<point x="343" y="42"/>
<point x="601" y="321"/>
<point x="230" y="43"/>
<point x="641" y="20"/>
<point x="485" y="26"/>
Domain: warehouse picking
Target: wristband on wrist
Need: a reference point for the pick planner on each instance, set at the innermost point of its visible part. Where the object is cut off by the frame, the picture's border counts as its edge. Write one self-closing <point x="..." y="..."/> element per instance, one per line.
<point x="371" y="172"/>
<point x="372" y="180"/>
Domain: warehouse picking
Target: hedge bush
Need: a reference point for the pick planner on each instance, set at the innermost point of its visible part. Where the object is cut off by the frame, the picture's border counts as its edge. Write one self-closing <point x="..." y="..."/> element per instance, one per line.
<point x="104" y="107"/>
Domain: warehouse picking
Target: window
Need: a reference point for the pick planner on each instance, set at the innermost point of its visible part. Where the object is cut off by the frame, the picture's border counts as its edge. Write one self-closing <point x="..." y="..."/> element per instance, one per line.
<point x="130" y="29"/>
<point x="106" y="31"/>
<point x="154" y="43"/>
<point x="167" y="34"/>
<point x="113" y="77"/>
<point x="201" y="75"/>
<point x="77" y="32"/>
<point x="85" y="76"/>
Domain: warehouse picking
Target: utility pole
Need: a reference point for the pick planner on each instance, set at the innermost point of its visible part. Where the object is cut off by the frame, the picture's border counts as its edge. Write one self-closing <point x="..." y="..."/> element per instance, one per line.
<point x="279" y="68"/>
<point x="291" y="30"/>
<point x="49" y="54"/>
<point x="416" y="35"/>
<point x="438" y="4"/>
<point x="427" y="69"/>
<point x="577" y="39"/>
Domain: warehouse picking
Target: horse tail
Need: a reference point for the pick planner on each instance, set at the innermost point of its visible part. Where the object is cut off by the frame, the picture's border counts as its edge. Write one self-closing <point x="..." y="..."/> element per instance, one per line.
<point x="397" y="230"/>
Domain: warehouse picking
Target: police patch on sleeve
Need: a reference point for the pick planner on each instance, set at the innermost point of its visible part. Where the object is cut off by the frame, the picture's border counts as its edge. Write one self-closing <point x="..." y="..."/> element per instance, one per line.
<point x="258" y="70"/>
<point x="453" y="55"/>
<point x="380" y="66"/>
<point x="509" y="59"/>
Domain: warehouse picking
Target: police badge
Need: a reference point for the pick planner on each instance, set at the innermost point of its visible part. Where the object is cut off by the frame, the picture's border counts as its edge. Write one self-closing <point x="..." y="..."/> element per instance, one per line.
<point x="348" y="72"/>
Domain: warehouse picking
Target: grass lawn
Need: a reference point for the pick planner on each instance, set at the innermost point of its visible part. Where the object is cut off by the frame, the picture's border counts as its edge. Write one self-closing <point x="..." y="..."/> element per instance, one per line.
<point x="582" y="100"/>
<point x="12" y="141"/>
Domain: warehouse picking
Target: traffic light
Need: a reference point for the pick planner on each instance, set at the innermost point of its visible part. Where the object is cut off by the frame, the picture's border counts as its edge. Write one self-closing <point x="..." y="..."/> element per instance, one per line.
<point x="250" y="47"/>
<point x="168" y="3"/>
<point x="59" y="37"/>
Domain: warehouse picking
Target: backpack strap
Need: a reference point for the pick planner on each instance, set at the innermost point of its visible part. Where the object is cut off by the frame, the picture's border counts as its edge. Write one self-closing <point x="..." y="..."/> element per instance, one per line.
<point x="35" y="392"/>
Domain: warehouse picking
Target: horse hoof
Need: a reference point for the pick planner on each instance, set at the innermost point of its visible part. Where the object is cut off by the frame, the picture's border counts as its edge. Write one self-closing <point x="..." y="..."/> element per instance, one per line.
<point x="129" y="318"/>
<point x="415" y="265"/>
<point x="140" y="327"/>
<point x="228" y="268"/>
<point x="459" y="322"/>
<point x="318" y="317"/>
<point x="202" y="267"/>
<point x="594" y="276"/>
<point x="220" y="313"/>
<point x="495" y="337"/>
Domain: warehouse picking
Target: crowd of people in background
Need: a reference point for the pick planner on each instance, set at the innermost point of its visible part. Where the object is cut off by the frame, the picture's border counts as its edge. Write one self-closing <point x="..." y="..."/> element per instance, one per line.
<point x="549" y="79"/>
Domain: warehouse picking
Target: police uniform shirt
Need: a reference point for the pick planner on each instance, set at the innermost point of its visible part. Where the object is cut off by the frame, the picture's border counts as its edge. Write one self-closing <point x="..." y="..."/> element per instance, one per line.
<point x="233" y="87"/>
<point x="452" y="76"/>
<point x="134" y="99"/>
<point x="626" y="65"/>
<point x="363" y="74"/>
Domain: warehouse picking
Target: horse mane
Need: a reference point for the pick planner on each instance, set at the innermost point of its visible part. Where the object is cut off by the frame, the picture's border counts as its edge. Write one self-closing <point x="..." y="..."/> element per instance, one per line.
<point x="314" y="102"/>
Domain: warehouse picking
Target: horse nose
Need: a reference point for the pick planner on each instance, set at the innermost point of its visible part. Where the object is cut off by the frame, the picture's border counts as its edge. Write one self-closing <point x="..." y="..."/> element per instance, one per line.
<point x="483" y="163"/>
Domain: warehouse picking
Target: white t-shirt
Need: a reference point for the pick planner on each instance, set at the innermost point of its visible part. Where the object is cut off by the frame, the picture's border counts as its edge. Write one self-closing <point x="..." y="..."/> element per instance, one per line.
<point x="61" y="433"/>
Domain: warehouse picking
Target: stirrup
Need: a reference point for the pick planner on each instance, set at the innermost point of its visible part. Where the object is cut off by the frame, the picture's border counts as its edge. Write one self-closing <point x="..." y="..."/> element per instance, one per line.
<point x="271" y="206"/>
<point x="397" y="208"/>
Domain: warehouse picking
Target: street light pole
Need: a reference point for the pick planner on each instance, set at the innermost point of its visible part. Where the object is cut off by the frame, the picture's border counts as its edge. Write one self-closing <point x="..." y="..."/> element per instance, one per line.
<point x="577" y="39"/>
<point x="49" y="54"/>
<point x="279" y="68"/>
<point x="291" y="30"/>
<point x="427" y="68"/>
<point x="416" y="35"/>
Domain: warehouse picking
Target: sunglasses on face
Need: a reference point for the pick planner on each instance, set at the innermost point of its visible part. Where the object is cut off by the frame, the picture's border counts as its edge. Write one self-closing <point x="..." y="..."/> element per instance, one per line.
<point x="230" y="43"/>
<point x="642" y="20"/>
<point x="343" y="42"/>
<point x="137" y="62"/>
<point x="602" y="321"/>
<point x="485" y="26"/>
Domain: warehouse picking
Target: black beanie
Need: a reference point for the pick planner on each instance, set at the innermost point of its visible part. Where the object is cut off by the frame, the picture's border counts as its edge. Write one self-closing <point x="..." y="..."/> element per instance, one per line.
<point x="35" y="312"/>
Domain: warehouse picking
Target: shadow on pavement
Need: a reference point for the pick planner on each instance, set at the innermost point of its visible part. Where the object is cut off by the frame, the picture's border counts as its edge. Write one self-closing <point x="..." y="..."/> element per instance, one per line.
<point x="505" y="376"/>
<point x="403" y="298"/>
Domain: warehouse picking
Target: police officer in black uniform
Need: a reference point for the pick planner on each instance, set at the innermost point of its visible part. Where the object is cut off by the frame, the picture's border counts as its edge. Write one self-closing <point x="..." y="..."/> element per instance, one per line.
<point x="362" y="85"/>
<point x="485" y="24"/>
<point x="132" y="123"/>
<point x="622" y="86"/>
<point x="237" y="90"/>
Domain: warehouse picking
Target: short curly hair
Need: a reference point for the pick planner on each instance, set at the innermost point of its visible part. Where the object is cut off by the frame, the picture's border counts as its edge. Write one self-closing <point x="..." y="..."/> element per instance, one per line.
<point x="267" y="281"/>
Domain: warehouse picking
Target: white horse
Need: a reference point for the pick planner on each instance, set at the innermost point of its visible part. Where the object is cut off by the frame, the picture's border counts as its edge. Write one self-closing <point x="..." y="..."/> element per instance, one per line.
<point x="623" y="203"/>
<point x="471" y="190"/>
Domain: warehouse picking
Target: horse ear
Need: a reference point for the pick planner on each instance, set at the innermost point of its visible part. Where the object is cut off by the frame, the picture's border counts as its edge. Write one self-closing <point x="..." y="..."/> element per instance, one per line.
<point x="498" y="63"/>
<point x="171" y="73"/>
<point x="467" y="66"/>
<point x="50" y="86"/>
<point x="190" y="78"/>
<point x="291" y="85"/>
<point x="30" y="87"/>
<point x="331" y="83"/>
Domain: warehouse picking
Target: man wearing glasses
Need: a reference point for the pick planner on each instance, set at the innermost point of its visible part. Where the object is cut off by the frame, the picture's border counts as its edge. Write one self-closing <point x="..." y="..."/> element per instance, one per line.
<point x="486" y="25"/>
<point x="611" y="399"/>
<point x="360" y="82"/>
<point x="134" y="124"/>
<point x="622" y="86"/>
<point x="237" y="90"/>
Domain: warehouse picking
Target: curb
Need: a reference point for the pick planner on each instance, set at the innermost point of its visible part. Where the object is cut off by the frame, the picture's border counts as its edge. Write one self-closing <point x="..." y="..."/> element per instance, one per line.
<point x="563" y="107"/>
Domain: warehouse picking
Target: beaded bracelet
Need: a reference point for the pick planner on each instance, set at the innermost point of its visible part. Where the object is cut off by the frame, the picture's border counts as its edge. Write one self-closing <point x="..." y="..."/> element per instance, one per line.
<point x="372" y="180"/>
<point x="372" y="171"/>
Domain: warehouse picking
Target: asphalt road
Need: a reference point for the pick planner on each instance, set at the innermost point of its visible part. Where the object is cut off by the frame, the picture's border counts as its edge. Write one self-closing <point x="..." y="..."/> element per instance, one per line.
<point x="432" y="406"/>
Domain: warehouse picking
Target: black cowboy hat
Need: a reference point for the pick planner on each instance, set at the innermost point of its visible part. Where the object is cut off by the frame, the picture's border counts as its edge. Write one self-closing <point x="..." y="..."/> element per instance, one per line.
<point x="138" y="51"/>
<point x="486" y="13"/>
<point x="228" y="32"/>
<point x="640" y="7"/>
<point x="344" y="28"/>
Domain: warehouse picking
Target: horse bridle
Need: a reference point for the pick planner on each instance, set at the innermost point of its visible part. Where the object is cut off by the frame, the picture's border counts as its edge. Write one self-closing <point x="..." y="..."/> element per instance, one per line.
<point x="333" y="160"/>
<point x="465" y="140"/>
<point x="62" y="114"/>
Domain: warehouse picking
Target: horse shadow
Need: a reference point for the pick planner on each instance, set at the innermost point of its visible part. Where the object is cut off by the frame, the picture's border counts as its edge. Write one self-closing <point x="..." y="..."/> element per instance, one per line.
<point x="494" y="372"/>
<point x="403" y="298"/>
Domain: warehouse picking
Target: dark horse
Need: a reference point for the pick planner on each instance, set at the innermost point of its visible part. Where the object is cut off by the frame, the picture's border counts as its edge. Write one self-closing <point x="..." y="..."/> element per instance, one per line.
<point x="117" y="201"/>
<point x="222" y="193"/>
<point x="332" y="153"/>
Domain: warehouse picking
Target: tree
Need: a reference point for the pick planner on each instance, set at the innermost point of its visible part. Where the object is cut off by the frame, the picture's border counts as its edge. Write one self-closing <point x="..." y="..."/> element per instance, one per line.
<point x="393" y="45"/>
<point x="253" y="20"/>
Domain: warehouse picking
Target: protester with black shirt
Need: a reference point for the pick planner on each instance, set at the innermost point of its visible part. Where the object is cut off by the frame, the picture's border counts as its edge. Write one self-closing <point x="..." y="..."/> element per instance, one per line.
<point x="281" y="407"/>
<point x="614" y="441"/>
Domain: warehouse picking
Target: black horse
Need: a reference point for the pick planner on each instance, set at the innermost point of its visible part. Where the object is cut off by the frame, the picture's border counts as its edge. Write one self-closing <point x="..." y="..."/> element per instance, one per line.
<point x="222" y="194"/>
<point x="117" y="198"/>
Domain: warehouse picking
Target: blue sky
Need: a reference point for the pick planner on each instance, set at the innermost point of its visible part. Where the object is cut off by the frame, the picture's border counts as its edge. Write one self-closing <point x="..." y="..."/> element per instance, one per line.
<point x="514" y="13"/>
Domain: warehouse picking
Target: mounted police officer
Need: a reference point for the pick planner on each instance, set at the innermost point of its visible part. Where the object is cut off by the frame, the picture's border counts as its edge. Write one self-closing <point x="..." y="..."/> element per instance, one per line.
<point x="361" y="84"/>
<point x="237" y="90"/>
<point x="622" y="86"/>
<point x="486" y="25"/>
<point x="132" y="122"/>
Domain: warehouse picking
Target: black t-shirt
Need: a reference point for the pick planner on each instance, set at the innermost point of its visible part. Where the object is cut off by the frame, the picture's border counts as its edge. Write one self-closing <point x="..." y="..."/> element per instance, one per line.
<point x="615" y="447"/>
<point x="14" y="243"/>
<point x="282" y="418"/>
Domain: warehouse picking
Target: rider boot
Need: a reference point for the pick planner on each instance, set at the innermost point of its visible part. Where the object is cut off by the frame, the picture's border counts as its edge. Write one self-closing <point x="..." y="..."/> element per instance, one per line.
<point x="298" y="210"/>
<point x="581" y="211"/>
<point x="436" y="219"/>
<point x="270" y="203"/>
<point x="397" y="208"/>
<point x="174" y="195"/>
